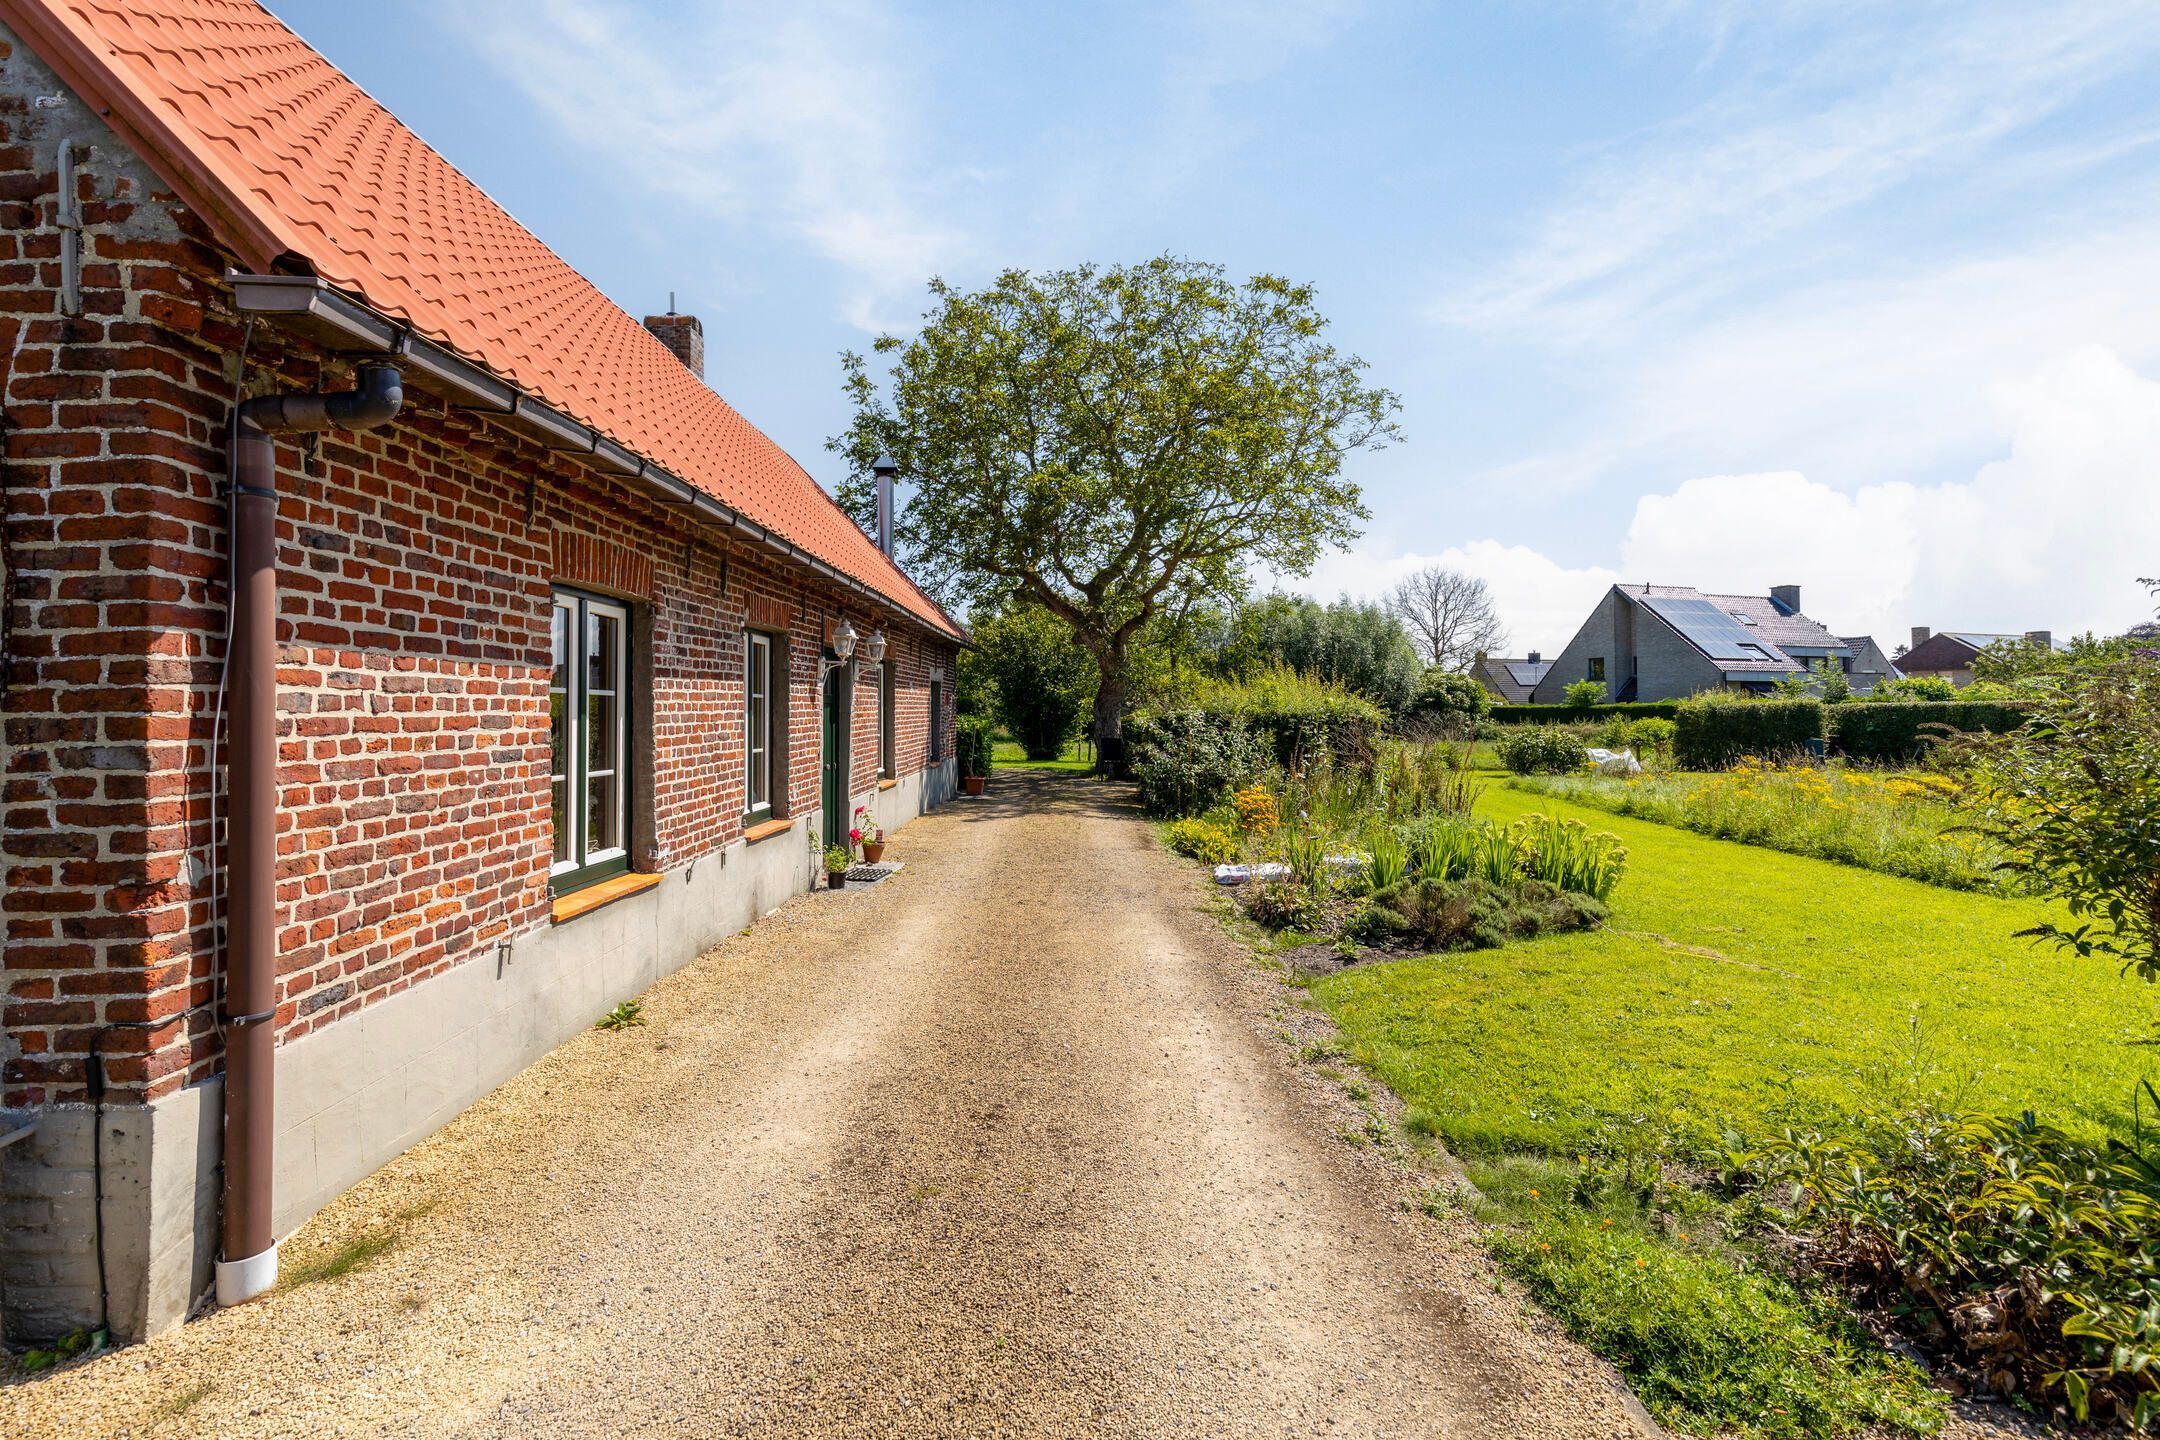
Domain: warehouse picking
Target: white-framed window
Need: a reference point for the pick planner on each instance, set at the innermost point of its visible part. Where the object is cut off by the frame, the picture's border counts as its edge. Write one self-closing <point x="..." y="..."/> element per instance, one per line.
<point x="888" y="738"/>
<point x="589" y="734"/>
<point x="758" y="787"/>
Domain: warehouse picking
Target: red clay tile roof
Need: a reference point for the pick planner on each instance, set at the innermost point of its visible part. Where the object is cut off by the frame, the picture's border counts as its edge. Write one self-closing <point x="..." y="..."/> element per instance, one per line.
<point x="286" y="157"/>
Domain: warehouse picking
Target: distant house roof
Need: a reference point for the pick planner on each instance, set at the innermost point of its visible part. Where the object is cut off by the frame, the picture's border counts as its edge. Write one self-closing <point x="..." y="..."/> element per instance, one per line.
<point x="1955" y="649"/>
<point x="1512" y="680"/>
<point x="1864" y="644"/>
<point x="299" y="170"/>
<point x="1741" y="633"/>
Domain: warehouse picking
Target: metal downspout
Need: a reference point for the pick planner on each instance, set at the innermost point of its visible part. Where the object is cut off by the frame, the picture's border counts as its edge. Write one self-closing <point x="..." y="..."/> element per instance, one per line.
<point x="248" y="1248"/>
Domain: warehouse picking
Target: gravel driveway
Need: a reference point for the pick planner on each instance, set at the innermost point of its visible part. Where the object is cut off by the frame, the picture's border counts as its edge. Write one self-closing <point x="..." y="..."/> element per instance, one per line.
<point x="1008" y="1145"/>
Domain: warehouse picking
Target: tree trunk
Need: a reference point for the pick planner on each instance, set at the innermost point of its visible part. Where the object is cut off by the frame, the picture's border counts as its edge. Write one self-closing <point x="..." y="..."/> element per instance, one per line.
<point x="1110" y="718"/>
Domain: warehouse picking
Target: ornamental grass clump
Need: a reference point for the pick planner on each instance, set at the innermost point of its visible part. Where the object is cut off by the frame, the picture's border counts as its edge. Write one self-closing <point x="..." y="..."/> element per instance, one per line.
<point x="1567" y="854"/>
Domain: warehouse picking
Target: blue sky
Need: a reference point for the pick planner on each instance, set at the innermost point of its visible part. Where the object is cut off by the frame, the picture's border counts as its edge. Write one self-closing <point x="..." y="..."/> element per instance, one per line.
<point x="1722" y="292"/>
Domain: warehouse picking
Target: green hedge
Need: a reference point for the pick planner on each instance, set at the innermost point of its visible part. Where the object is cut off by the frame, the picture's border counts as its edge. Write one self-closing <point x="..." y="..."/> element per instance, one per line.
<point x="1301" y="719"/>
<point x="1898" y="732"/>
<point x="1715" y="733"/>
<point x="1568" y="714"/>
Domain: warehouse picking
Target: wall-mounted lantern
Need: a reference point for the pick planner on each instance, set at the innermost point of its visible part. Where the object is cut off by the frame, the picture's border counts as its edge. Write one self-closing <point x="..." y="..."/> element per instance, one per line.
<point x="873" y="649"/>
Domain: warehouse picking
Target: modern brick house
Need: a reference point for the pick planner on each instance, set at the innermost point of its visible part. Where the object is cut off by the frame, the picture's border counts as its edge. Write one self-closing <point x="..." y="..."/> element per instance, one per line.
<point x="1667" y="642"/>
<point x="534" y="679"/>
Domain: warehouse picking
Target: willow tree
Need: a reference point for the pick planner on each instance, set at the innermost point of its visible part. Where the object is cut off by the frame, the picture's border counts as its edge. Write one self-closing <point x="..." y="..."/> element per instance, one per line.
<point x="1113" y="443"/>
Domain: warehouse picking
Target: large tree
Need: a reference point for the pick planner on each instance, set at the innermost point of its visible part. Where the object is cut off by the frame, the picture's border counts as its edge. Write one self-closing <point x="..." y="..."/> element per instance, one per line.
<point x="1450" y="615"/>
<point x="1113" y="444"/>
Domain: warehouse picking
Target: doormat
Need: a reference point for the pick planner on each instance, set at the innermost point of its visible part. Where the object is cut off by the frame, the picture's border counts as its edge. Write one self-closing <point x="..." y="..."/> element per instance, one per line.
<point x="871" y="874"/>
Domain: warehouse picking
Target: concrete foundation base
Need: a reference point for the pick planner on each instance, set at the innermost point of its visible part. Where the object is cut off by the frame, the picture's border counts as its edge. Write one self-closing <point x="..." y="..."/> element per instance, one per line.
<point x="354" y="1096"/>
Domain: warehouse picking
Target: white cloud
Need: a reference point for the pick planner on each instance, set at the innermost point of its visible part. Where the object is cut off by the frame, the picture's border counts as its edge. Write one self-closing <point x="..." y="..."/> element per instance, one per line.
<point x="1684" y="213"/>
<point x="793" y="118"/>
<point x="2053" y="535"/>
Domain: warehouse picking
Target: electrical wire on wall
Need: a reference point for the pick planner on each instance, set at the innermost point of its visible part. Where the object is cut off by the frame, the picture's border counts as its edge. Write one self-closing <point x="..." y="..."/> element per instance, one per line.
<point x="93" y="1063"/>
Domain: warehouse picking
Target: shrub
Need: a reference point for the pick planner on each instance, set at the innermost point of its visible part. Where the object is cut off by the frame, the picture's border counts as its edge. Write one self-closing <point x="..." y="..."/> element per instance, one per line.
<point x="1447" y="703"/>
<point x="977" y="739"/>
<point x="1471" y="914"/>
<point x="1540" y="750"/>
<point x="1914" y="687"/>
<point x="1283" y="905"/>
<point x="1256" y="814"/>
<point x="1044" y="681"/>
<point x="1712" y="732"/>
<point x="1651" y="736"/>
<point x="1209" y="844"/>
<point x="2031" y="1256"/>
<point x="1902" y="734"/>
<point x="1187" y="760"/>
<point x="2075" y="799"/>
<point x="1301" y="720"/>
<point x="1583" y="694"/>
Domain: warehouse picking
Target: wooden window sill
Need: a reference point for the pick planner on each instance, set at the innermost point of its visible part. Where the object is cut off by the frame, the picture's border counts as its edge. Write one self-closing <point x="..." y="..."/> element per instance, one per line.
<point x="607" y="892"/>
<point x="887" y="784"/>
<point x="754" y="833"/>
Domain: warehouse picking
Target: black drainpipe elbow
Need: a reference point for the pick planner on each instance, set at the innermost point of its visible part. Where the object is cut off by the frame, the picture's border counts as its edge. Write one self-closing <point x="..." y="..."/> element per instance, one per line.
<point x="378" y="397"/>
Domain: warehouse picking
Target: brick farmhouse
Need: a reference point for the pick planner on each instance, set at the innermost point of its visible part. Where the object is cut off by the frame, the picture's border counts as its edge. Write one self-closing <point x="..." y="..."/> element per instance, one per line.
<point x="554" y="685"/>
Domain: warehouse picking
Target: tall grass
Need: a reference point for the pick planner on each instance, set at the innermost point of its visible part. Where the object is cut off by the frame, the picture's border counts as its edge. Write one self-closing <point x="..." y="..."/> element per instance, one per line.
<point x="1899" y="824"/>
<point x="1563" y="853"/>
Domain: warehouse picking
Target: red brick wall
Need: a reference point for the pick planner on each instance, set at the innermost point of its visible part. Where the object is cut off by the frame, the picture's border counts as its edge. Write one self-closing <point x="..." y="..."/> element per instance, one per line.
<point x="415" y="568"/>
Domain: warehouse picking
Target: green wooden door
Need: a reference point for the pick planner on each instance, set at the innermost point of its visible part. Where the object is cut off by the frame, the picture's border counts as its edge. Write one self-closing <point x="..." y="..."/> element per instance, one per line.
<point x="832" y="791"/>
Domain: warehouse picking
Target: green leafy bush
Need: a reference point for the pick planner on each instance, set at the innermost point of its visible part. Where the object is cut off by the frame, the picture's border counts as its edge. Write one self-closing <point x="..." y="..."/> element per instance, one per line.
<point x="1185" y="761"/>
<point x="1584" y="694"/>
<point x="1283" y="905"/>
<point x="1432" y="914"/>
<point x="1447" y="703"/>
<point x="2075" y="799"/>
<point x="1540" y="750"/>
<point x="977" y="739"/>
<point x="2031" y="1257"/>
<point x="1044" y="682"/>
<point x="1301" y="720"/>
<point x="1912" y="687"/>
<point x="1903" y="734"/>
<point x="1711" y="1349"/>
<point x="1712" y="732"/>
<point x="1209" y="844"/>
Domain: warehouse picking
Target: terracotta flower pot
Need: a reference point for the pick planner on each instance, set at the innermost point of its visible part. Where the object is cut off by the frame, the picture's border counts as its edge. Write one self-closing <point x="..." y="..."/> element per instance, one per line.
<point x="873" y="851"/>
<point x="974" y="784"/>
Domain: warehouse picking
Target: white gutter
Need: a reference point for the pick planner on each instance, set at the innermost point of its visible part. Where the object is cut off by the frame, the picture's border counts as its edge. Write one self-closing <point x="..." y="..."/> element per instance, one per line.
<point x="347" y="324"/>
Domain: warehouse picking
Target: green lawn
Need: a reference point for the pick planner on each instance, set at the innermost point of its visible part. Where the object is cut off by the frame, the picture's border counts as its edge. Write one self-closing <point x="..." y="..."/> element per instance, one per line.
<point x="1009" y="756"/>
<point x="1738" y="987"/>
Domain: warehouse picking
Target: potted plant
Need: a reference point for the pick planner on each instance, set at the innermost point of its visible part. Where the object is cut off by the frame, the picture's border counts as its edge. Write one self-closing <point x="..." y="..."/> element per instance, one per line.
<point x="837" y="861"/>
<point x="868" y="834"/>
<point x="977" y="735"/>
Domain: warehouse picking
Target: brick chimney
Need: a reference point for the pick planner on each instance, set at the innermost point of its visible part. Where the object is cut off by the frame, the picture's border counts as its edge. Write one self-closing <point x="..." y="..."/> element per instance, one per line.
<point x="682" y="334"/>
<point x="2040" y="639"/>
<point x="1920" y="635"/>
<point x="1534" y="657"/>
<point x="1787" y="596"/>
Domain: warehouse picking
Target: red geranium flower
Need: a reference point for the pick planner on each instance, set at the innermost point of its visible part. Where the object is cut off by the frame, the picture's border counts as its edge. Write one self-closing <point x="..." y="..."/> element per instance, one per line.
<point x="854" y="834"/>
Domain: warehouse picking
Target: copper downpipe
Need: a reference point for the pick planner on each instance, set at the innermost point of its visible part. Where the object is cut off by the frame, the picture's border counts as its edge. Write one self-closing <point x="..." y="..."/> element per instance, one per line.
<point x="248" y="1246"/>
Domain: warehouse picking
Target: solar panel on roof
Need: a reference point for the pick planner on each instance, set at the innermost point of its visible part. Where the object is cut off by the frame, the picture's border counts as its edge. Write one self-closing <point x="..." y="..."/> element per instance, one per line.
<point x="1707" y="627"/>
